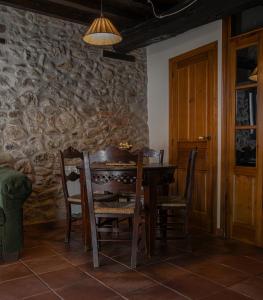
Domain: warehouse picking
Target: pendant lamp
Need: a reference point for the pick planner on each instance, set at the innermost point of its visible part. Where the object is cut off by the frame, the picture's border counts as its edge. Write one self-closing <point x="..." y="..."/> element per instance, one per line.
<point x="102" y="32"/>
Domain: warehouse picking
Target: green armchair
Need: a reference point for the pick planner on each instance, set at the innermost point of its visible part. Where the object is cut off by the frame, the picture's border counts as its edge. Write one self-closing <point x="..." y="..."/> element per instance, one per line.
<point x="14" y="190"/>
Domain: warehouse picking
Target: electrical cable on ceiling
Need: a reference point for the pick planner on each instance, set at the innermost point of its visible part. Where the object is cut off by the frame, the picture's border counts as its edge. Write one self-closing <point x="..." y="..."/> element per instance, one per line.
<point x="172" y="13"/>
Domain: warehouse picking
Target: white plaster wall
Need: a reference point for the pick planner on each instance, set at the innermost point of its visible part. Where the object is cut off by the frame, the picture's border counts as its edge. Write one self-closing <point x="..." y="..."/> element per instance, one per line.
<point x="158" y="56"/>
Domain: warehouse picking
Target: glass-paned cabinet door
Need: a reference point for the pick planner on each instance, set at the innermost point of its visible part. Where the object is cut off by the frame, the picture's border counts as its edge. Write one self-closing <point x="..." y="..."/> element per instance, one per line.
<point x="247" y="60"/>
<point x="246" y="106"/>
<point x="246" y="147"/>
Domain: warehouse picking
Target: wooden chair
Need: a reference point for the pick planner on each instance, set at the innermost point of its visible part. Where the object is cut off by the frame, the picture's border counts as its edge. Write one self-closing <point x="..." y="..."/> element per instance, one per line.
<point x="127" y="180"/>
<point x="167" y="204"/>
<point x="74" y="158"/>
<point x="73" y="155"/>
<point x="151" y="153"/>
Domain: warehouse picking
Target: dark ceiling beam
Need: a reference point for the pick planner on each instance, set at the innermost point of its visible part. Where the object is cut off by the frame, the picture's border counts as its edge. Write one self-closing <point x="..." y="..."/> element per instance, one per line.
<point x="203" y="12"/>
<point x="60" y="11"/>
<point x="113" y="8"/>
<point x="95" y="7"/>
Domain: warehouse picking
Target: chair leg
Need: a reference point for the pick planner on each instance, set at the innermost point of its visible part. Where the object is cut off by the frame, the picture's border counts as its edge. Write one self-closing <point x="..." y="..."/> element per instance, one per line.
<point x="98" y="222"/>
<point x="143" y="237"/>
<point x="163" y="223"/>
<point x="115" y="225"/>
<point x="68" y="223"/>
<point x="130" y="224"/>
<point x="135" y="237"/>
<point x="186" y="223"/>
<point x="94" y="239"/>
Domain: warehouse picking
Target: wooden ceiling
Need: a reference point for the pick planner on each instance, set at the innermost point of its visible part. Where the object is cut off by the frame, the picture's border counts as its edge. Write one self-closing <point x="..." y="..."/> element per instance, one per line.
<point x="134" y="18"/>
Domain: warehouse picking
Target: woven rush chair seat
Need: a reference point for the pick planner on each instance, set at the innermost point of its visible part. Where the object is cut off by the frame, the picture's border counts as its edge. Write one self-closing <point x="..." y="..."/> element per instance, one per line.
<point x="169" y="205"/>
<point x="74" y="199"/>
<point x="114" y="208"/>
<point x="97" y="197"/>
<point x="104" y="212"/>
<point x="172" y="201"/>
<point x="70" y="158"/>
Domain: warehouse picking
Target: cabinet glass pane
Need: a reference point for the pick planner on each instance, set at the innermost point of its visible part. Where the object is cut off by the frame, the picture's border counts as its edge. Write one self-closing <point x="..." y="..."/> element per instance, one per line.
<point x="246" y="107"/>
<point x="246" y="147"/>
<point x="247" y="20"/>
<point x="246" y="64"/>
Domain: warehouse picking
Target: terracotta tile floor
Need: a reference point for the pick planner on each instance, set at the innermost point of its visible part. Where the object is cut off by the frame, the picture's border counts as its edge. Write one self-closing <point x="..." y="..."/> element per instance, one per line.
<point x="201" y="267"/>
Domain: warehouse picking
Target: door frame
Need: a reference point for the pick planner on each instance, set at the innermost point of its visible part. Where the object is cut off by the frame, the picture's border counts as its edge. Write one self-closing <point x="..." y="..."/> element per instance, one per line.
<point x="212" y="48"/>
<point x="226" y="123"/>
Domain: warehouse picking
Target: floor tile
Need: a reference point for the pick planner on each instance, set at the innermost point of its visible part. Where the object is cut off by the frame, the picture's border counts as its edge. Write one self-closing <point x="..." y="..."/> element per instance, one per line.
<point x="13" y="271"/>
<point x="115" y="250"/>
<point x="200" y="267"/>
<point x="45" y="296"/>
<point x="32" y="243"/>
<point x="125" y="282"/>
<point x="165" y="250"/>
<point x="241" y="263"/>
<point x="257" y="255"/>
<point x="86" y="289"/>
<point x="47" y="264"/>
<point x="187" y="260"/>
<point x="218" y="273"/>
<point x="36" y="252"/>
<point x="141" y="261"/>
<point x="193" y="286"/>
<point x="23" y="287"/>
<point x="226" y="294"/>
<point x="62" y="247"/>
<point x="78" y="258"/>
<point x="61" y="278"/>
<point x="107" y="266"/>
<point x="252" y="287"/>
<point x="157" y="293"/>
<point x="162" y="271"/>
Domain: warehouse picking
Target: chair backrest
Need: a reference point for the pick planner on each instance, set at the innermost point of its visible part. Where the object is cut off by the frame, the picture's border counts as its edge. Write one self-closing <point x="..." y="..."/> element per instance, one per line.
<point x="189" y="181"/>
<point x="69" y="154"/>
<point x="151" y="153"/>
<point x="113" y="170"/>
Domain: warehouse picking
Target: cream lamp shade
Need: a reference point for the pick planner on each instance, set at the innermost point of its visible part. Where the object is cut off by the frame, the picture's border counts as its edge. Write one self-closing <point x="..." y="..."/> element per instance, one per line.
<point x="102" y="33"/>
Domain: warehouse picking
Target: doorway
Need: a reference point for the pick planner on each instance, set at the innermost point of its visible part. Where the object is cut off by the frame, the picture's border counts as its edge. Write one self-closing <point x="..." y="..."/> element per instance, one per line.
<point x="193" y="124"/>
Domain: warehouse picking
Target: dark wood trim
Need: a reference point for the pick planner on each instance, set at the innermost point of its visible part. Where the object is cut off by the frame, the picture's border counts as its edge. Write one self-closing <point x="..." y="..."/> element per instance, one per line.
<point x="260" y="142"/>
<point x="224" y="135"/>
<point x="214" y="153"/>
<point x="252" y="235"/>
<point x="155" y="30"/>
<point x="119" y="56"/>
<point x="64" y="12"/>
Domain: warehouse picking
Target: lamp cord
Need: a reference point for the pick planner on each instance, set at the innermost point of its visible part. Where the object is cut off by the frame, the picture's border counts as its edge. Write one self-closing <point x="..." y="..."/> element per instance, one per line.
<point x="101" y="8"/>
<point x="172" y="13"/>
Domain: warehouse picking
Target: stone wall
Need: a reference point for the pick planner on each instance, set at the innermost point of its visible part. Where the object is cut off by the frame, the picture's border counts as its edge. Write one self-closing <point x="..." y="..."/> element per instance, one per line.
<point x="55" y="92"/>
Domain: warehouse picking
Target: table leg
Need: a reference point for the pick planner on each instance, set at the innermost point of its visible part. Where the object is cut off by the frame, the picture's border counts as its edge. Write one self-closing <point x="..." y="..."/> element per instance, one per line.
<point x="150" y="197"/>
<point x="86" y="233"/>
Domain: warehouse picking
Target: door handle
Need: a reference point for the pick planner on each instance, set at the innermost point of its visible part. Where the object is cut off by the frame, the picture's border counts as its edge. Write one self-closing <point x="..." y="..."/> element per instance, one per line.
<point x="204" y="138"/>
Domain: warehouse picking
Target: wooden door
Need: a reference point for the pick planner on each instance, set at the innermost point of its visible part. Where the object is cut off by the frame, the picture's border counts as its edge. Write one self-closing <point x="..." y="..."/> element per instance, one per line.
<point x="193" y="124"/>
<point x="245" y="142"/>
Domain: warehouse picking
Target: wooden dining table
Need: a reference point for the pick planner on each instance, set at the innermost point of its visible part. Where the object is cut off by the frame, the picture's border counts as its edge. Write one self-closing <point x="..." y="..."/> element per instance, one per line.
<point x="154" y="176"/>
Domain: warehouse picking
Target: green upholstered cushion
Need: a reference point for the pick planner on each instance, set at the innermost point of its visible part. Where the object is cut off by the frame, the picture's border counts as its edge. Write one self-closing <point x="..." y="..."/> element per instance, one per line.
<point x="14" y="186"/>
<point x="2" y="217"/>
